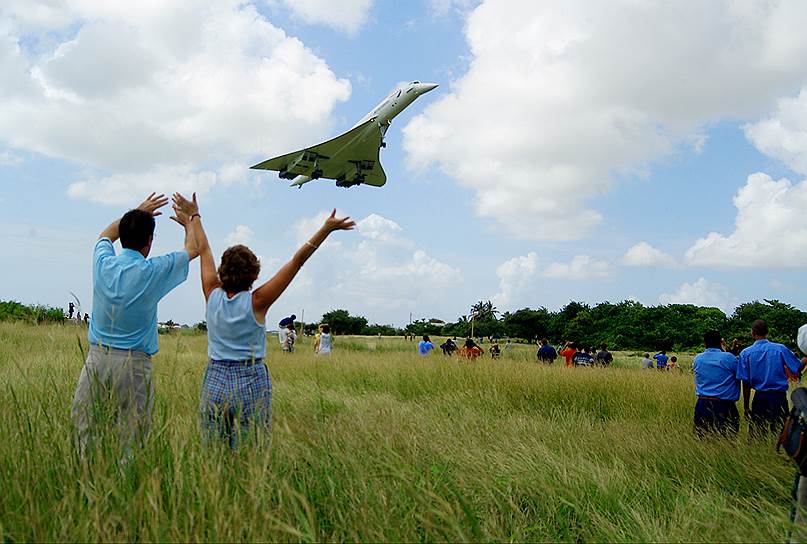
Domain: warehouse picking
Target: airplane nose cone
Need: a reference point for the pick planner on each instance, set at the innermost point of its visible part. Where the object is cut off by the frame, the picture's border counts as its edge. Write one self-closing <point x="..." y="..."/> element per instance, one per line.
<point x="426" y="87"/>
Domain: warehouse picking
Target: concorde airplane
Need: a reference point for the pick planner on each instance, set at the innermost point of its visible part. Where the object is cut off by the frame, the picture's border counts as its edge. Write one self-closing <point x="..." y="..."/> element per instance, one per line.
<point x="352" y="158"/>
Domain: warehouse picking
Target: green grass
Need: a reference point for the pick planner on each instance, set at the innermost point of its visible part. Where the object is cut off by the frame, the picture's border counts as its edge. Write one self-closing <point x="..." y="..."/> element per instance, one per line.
<point x="378" y="444"/>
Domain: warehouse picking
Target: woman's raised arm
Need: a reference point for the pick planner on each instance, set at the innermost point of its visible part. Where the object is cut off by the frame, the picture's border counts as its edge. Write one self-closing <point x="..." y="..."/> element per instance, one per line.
<point x="265" y="295"/>
<point x="190" y="208"/>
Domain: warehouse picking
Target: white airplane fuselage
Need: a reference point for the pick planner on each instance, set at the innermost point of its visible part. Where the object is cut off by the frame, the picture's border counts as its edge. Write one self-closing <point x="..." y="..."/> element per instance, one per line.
<point x="382" y="115"/>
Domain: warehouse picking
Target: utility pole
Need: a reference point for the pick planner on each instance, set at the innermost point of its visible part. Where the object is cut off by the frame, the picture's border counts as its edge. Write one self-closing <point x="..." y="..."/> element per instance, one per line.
<point x="302" y="324"/>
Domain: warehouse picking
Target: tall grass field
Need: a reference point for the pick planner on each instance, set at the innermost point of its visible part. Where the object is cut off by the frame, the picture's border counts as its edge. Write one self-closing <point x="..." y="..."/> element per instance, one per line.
<point x="379" y="444"/>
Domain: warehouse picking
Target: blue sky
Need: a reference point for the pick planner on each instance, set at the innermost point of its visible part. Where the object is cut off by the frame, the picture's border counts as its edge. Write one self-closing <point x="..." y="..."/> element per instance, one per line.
<point x="575" y="153"/>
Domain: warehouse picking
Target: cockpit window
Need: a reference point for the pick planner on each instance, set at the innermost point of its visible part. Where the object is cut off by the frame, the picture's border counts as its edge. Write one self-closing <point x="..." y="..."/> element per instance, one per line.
<point x="409" y="90"/>
<point x="415" y="82"/>
<point x="399" y="94"/>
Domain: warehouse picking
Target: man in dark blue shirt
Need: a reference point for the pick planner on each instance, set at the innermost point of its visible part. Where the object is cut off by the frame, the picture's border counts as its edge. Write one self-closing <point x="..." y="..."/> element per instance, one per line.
<point x="717" y="387"/>
<point x="661" y="360"/>
<point x="764" y="367"/>
<point x="546" y="353"/>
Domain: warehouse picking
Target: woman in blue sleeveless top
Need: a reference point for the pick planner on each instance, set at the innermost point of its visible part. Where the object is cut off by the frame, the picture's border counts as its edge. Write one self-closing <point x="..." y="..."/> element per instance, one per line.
<point x="237" y="388"/>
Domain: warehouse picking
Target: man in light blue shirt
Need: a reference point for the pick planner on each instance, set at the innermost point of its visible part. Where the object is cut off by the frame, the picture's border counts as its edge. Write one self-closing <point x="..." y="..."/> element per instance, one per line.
<point x="425" y="346"/>
<point x="123" y="329"/>
<point x="717" y="387"/>
<point x="765" y="367"/>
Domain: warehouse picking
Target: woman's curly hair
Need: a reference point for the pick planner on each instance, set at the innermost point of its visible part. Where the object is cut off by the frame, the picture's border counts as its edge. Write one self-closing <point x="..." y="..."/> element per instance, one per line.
<point x="239" y="269"/>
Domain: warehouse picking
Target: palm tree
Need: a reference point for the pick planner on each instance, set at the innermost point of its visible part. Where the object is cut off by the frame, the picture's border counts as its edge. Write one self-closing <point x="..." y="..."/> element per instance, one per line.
<point x="482" y="311"/>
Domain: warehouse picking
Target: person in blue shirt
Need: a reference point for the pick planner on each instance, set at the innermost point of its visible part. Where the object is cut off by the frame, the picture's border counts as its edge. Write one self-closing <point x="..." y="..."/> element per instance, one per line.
<point x="546" y="353"/>
<point x="237" y="388"/>
<point x="765" y="367"/>
<point x="661" y="360"/>
<point x="116" y="377"/>
<point x="717" y="388"/>
<point x="425" y="346"/>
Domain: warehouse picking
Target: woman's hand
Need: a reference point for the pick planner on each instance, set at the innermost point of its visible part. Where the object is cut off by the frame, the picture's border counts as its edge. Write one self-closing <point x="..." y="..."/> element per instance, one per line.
<point x="187" y="207"/>
<point x="181" y="217"/>
<point x="152" y="203"/>
<point x="335" y="223"/>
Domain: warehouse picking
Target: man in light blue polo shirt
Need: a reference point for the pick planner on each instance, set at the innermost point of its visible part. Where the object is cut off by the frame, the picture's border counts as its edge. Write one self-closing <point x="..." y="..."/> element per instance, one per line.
<point x="116" y="378"/>
<point x="764" y="367"/>
<point x="717" y="387"/>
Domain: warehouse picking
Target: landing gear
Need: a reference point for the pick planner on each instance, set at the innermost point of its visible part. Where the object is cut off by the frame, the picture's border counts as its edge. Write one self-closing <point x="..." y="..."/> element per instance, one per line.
<point x="316" y="174"/>
<point x="342" y="182"/>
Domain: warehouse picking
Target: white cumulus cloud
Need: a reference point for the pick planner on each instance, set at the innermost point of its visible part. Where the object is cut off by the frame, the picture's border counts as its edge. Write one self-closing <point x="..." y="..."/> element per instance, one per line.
<point x="643" y="254"/>
<point x="702" y="293"/>
<point x="521" y="277"/>
<point x="783" y="135"/>
<point x="241" y="235"/>
<point x="561" y="99"/>
<point x="375" y="269"/>
<point x="515" y="275"/>
<point x="346" y="15"/>
<point x="769" y="230"/>
<point x="125" y="89"/>
<point x="581" y="267"/>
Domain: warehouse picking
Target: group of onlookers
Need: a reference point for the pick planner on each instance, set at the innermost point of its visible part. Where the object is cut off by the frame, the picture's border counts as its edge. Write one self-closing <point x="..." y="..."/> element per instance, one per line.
<point x="764" y="367"/>
<point x="659" y="361"/>
<point x="469" y="349"/>
<point x="237" y="389"/>
<point x="573" y="356"/>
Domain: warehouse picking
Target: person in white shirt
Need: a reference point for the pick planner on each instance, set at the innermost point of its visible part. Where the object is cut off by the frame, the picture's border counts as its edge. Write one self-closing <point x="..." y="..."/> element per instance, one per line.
<point x="324" y="341"/>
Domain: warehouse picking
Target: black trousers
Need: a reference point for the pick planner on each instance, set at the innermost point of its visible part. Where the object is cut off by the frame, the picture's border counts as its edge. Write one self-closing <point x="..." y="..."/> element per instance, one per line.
<point x="716" y="416"/>
<point x="768" y="411"/>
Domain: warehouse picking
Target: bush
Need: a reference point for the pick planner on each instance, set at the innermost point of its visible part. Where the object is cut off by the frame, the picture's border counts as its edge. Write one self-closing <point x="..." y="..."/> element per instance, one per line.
<point x="16" y="311"/>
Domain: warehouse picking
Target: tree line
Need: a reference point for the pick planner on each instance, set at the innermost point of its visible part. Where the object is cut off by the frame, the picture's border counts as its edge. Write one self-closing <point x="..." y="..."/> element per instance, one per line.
<point x="626" y="325"/>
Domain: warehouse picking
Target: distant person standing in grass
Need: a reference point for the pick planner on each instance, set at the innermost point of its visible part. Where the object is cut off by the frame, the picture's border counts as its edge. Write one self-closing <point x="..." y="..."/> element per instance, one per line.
<point x="661" y="360"/>
<point x="717" y="388"/>
<point x="673" y="363"/>
<point x="237" y="388"/>
<point x="289" y="339"/>
<point x="604" y="357"/>
<point x="470" y="350"/>
<point x="764" y="367"/>
<point x="324" y="341"/>
<point x="568" y="351"/>
<point x="425" y="346"/>
<point x="448" y="347"/>
<point x="123" y="331"/>
<point x="546" y="353"/>
<point x="647" y="362"/>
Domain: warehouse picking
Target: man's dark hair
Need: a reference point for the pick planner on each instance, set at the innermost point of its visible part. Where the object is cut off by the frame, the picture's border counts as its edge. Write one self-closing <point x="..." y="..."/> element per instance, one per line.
<point x="136" y="227"/>
<point x="711" y="339"/>
<point x="759" y="328"/>
<point x="604" y="347"/>
<point x="544" y="341"/>
<point x="326" y="329"/>
<point x="426" y="338"/>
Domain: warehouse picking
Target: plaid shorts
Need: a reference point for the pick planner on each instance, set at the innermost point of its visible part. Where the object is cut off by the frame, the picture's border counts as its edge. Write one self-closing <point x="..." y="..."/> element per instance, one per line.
<point x="235" y="395"/>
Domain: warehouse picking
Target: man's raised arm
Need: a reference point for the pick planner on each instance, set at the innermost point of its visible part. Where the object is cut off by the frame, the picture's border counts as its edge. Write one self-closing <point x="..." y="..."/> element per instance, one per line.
<point x="152" y="203"/>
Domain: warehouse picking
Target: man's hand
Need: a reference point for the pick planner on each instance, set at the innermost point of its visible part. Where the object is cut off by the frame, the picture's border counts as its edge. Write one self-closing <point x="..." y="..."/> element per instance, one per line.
<point x="335" y="223"/>
<point x="152" y="203"/>
<point x="187" y="207"/>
